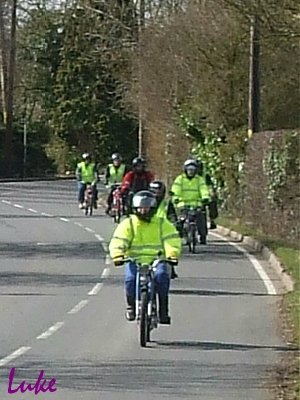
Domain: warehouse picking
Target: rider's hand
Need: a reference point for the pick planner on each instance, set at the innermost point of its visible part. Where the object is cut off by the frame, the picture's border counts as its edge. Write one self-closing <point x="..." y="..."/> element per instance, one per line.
<point x="176" y="201"/>
<point x="118" y="261"/>
<point x="173" y="261"/>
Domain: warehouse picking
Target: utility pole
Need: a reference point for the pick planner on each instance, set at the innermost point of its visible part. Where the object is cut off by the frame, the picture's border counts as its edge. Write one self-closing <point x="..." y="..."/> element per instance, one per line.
<point x="24" y="148"/>
<point x="254" y="85"/>
<point x="141" y="23"/>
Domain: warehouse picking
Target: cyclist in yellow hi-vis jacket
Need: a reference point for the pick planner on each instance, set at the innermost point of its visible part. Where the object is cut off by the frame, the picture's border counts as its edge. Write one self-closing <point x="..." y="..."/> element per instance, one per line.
<point x="142" y="236"/>
<point x="190" y="190"/>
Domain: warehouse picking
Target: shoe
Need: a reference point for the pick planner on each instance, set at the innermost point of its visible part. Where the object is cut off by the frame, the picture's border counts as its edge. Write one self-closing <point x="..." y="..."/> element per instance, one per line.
<point x="81" y="206"/>
<point x="173" y="273"/>
<point x="107" y="211"/>
<point x="213" y="225"/>
<point x="163" y="317"/>
<point x="203" y="239"/>
<point x="130" y="314"/>
<point x="130" y="311"/>
<point x="165" y="320"/>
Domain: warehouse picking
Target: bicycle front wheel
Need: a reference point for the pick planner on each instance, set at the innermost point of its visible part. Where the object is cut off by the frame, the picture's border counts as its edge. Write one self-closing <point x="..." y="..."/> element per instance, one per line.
<point x="144" y="326"/>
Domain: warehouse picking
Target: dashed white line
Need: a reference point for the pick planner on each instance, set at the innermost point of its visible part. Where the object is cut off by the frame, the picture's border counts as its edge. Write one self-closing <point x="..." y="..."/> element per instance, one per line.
<point x="105" y="272"/>
<point x="47" y="215"/>
<point x="256" y="264"/>
<point x="50" y="331"/>
<point x="6" y="202"/>
<point x="95" y="289"/>
<point x="14" y="355"/>
<point x="64" y="219"/>
<point x="18" y="206"/>
<point x="100" y="238"/>
<point x="32" y="210"/>
<point x="89" y="230"/>
<point x="78" y="307"/>
<point x="105" y="247"/>
<point x="98" y="286"/>
<point x="78" y="224"/>
<point x="107" y="260"/>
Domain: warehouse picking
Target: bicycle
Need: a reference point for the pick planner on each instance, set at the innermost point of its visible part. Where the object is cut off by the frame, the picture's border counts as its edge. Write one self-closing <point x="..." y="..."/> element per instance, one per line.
<point x="88" y="200"/>
<point x="188" y="220"/>
<point x="146" y="299"/>
<point x="117" y="204"/>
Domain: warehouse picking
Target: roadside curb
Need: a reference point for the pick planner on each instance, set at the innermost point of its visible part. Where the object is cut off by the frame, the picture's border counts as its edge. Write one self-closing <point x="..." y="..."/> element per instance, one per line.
<point x="266" y="253"/>
<point x="35" y="179"/>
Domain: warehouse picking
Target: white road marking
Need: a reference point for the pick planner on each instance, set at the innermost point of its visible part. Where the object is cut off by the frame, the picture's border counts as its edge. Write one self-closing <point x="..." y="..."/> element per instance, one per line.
<point x="95" y="289"/>
<point x="256" y="264"/>
<point x="108" y="260"/>
<point x="18" y="206"/>
<point x="105" y="247"/>
<point x="14" y="355"/>
<point x="89" y="230"/>
<point x="6" y="202"/>
<point x="98" y="286"/>
<point x="78" y="307"/>
<point x="32" y="210"/>
<point x="64" y="219"/>
<point x="78" y="224"/>
<point x="105" y="272"/>
<point x="100" y="238"/>
<point x="51" y="330"/>
<point x="47" y="215"/>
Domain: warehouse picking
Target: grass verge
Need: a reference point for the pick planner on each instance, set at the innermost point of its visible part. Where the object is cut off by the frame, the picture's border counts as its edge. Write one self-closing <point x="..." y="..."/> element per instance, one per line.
<point x="290" y="258"/>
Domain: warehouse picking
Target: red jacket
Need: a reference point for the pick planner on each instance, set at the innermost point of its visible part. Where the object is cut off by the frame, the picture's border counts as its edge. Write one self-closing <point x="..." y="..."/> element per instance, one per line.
<point x="133" y="182"/>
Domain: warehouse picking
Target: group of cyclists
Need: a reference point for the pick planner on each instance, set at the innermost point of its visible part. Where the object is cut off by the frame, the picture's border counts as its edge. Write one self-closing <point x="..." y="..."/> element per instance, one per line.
<point x="152" y="226"/>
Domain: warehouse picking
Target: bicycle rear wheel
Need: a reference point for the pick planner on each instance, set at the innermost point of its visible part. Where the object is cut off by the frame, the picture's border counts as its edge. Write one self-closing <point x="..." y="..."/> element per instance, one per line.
<point x="144" y="326"/>
<point x="190" y="238"/>
<point x="194" y="238"/>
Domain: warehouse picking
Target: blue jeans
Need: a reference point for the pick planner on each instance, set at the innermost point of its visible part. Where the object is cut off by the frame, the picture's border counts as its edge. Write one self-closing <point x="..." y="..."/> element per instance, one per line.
<point x="161" y="278"/>
<point x="81" y="190"/>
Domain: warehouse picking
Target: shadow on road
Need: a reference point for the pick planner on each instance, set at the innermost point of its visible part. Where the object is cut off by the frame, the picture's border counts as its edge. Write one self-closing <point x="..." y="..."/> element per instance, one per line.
<point x="220" y="346"/>
<point x="72" y="250"/>
<point x="46" y="280"/>
<point x="178" y="378"/>
<point x="201" y="292"/>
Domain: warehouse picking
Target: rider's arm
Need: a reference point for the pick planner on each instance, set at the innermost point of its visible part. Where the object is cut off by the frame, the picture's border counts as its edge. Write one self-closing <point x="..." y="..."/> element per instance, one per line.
<point x="121" y="240"/>
<point x="171" y="212"/>
<point x="107" y="175"/>
<point x="171" y="240"/>
<point x="96" y="176"/>
<point x="177" y="189"/>
<point x="126" y="182"/>
<point x="78" y="172"/>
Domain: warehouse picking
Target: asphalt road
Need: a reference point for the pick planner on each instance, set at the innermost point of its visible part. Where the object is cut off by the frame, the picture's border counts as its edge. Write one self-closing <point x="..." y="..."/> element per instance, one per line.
<point x="62" y="311"/>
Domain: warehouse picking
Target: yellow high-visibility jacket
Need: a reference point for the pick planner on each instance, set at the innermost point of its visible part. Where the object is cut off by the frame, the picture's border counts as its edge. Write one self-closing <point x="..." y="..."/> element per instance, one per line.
<point x="143" y="240"/>
<point x="86" y="173"/>
<point x="189" y="192"/>
<point x="115" y="175"/>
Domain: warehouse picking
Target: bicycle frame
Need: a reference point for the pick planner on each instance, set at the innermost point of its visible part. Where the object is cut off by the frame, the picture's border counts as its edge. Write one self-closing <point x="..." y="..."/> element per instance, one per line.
<point x="88" y="200"/>
<point x="146" y="314"/>
<point x="117" y="204"/>
<point x="144" y="283"/>
<point x="190" y="227"/>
